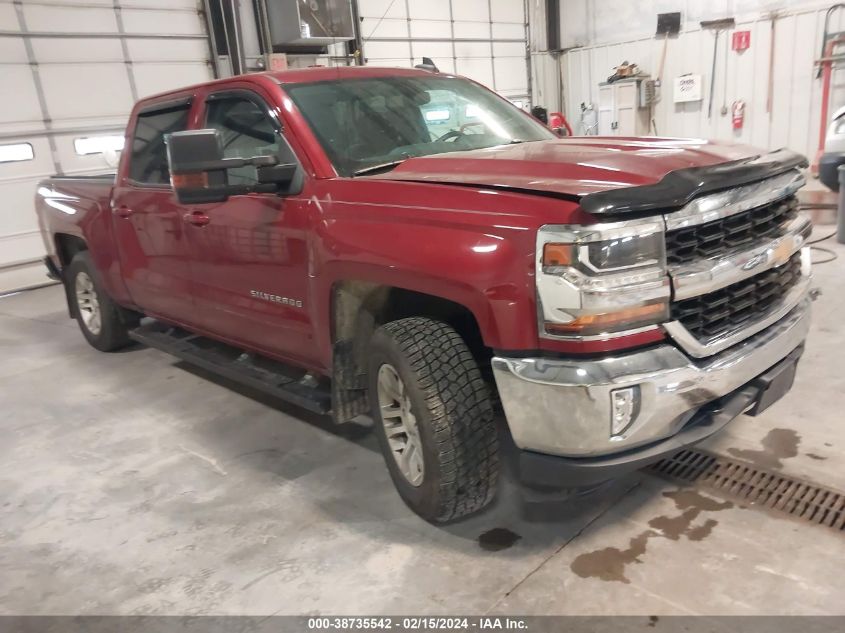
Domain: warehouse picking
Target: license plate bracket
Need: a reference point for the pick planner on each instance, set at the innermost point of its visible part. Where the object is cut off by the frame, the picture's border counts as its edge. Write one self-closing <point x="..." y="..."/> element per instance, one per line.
<point x="775" y="383"/>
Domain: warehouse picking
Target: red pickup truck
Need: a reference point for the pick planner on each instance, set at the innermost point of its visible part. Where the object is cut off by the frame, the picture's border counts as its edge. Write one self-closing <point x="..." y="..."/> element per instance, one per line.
<point x="409" y="245"/>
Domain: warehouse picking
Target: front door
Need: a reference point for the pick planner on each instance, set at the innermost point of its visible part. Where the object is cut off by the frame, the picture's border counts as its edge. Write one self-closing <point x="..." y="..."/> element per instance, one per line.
<point x="250" y="253"/>
<point x="147" y="220"/>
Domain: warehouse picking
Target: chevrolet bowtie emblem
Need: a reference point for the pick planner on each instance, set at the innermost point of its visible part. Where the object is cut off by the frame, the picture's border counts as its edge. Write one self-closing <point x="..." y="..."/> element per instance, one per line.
<point x="778" y="255"/>
<point x="754" y="261"/>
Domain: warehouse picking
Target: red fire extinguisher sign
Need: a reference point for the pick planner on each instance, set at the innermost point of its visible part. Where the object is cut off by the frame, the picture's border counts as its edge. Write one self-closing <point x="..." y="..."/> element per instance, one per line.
<point x="738" y="114"/>
<point x="741" y="40"/>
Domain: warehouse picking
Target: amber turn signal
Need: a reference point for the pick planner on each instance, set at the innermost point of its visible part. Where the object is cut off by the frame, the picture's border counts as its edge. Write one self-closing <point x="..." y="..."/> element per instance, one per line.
<point x="609" y="321"/>
<point x="198" y="180"/>
<point x="557" y="255"/>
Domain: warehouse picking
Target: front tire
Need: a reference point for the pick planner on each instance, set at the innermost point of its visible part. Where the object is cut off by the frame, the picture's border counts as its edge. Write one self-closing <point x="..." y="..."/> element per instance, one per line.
<point x="103" y="323"/>
<point x="434" y="419"/>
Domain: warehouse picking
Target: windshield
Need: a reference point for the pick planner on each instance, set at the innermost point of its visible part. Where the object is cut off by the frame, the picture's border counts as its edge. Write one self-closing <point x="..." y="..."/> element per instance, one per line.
<point x="370" y="124"/>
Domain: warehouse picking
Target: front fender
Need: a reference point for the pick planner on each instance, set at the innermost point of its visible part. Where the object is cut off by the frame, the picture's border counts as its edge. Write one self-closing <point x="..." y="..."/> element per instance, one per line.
<point x="489" y="273"/>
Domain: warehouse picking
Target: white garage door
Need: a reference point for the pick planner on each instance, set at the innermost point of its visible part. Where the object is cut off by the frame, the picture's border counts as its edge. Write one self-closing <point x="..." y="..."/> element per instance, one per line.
<point x="71" y="71"/>
<point x="481" y="39"/>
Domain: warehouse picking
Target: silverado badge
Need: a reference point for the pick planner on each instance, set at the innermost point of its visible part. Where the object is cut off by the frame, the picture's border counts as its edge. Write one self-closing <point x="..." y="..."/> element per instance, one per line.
<point x="266" y="296"/>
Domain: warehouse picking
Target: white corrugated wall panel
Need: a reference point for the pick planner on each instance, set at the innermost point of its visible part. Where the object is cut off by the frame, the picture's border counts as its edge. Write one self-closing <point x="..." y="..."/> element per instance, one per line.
<point x="105" y="3"/>
<point x="88" y="86"/>
<point x="479" y="30"/>
<point x="515" y="31"/>
<point x="19" y="235"/>
<point x="382" y="9"/>
<point x="373" y="27"/>
<point x="378" y="51"/>
<point x="431" y="28"/>
<point x="471" y="11"/>
<point x="482" y="39"/>
<point x="179" y="21"/>
<point x="477" y="68"/>
<point x="12" y="51"/>
<point x="507" y="11"/>
<point x="23" y="110"/>
<point x="76" y="91"/>
<point x="60" y="51"/>
<point x="429" y="10"/>
<point x="170" y="5"/>
<point x="152" y="78"/>
<point x="168" y="51"/>
<point x="433" y="49"/>
<point x="76" y="19"/>
<point x="473" y="49"/>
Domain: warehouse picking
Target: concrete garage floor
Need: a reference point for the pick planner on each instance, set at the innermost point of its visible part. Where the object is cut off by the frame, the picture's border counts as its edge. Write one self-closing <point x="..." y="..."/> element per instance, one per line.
<point x="133" y="484"/>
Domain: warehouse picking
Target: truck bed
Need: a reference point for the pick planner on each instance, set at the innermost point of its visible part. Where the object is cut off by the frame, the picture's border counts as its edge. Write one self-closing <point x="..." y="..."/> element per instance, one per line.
<point x="106" y="176"/>
<point x="75" y="206"/>
<point x="61" y="201"/>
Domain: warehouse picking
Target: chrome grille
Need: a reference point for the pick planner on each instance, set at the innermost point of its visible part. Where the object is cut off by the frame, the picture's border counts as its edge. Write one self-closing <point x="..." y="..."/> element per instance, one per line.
<point x="711" y="239"/>
<point x="716" y="312"/>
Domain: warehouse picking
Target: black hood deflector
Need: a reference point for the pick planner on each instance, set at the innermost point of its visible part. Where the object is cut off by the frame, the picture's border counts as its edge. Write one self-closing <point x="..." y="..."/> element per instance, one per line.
<point x="678" y="187"/>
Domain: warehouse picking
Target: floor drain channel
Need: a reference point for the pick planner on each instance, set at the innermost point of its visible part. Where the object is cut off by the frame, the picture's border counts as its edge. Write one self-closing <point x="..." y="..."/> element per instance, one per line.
<point x="744" y="481"/>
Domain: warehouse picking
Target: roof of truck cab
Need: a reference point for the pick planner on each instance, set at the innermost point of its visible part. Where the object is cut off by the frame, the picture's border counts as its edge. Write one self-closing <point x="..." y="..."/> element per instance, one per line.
<point x="310" y="75"/>
<point x="298" y="76"/>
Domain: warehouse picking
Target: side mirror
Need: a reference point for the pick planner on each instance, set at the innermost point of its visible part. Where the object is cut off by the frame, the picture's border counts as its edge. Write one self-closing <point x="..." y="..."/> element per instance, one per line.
<point x="198" y="170"/>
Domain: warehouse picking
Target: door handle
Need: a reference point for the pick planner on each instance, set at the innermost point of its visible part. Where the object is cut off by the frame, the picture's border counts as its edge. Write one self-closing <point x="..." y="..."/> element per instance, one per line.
<point x="123" y="211"/>
<point x="197" y="218"/>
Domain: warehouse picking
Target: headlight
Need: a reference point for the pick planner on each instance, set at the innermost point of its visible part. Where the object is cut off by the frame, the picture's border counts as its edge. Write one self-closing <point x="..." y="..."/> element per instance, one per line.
<point x="601" y="280"/>
<point x="622" y="253"/>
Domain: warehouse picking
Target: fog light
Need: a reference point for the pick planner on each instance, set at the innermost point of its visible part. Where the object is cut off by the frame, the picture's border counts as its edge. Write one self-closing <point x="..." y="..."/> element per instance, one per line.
<point x="624" y="405"/>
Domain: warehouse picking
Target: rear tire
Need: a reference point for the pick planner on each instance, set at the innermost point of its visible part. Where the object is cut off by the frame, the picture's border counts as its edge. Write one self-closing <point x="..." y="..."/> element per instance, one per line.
<point x="433" y="418"/>
<point x="103" y="323"/>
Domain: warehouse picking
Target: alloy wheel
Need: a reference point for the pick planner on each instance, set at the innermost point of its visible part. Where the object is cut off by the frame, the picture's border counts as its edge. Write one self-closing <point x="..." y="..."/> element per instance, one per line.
<point x="88" y="303"/>
<point x="400" y="425"/>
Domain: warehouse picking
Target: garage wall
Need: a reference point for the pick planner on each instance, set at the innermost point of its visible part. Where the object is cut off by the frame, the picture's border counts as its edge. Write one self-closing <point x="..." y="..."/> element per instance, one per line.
<point x="73" y="69"/>
<point x="588" y="22"/>
<point x="481" y="39"/>
<point x="612" y="31"/>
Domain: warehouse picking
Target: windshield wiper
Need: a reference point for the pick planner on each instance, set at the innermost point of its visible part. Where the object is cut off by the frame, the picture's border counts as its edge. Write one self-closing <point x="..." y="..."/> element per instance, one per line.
<point x="379" y="167"/>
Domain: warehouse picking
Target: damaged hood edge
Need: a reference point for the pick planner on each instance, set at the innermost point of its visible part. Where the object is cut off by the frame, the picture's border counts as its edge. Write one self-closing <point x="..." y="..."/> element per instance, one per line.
<point x="598" y="192"/>
<point x="677" y="188"/>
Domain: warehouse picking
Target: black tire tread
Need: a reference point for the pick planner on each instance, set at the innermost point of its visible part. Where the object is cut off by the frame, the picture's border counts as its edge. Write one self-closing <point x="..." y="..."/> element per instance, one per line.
<point x="462" y="416"/>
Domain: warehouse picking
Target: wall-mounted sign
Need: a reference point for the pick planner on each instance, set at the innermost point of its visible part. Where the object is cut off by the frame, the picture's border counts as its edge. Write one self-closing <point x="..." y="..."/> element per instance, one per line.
<point x="741" y="40"/>
<point x="687" y="88"/>
<point x="278" y="61"/>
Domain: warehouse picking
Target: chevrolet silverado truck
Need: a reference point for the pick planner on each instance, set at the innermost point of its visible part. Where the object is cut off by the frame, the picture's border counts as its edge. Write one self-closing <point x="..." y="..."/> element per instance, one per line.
<point x="409" y="245"/>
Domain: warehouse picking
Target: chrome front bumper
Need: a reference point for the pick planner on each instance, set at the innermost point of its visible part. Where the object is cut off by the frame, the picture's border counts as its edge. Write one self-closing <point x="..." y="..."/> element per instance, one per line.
<point x="563" y="406"/>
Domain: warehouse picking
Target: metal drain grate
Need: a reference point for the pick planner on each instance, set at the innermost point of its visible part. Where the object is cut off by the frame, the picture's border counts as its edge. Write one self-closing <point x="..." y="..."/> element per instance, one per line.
<point x="744" y="481"/>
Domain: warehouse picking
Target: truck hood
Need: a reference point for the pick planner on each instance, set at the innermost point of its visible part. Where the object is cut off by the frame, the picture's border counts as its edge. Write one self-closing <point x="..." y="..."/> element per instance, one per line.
<point x="591" y="169"/>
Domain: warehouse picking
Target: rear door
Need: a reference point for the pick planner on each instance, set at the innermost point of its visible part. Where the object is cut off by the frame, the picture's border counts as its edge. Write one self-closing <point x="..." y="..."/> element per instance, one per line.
<point x="148" y="222"/>
<point x="250" y="253"/>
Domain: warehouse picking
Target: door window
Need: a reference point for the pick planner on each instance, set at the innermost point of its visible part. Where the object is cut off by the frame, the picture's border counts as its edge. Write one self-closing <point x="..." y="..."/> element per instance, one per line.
<point x="148" y="163"/>
<point x="246" y="130"/>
